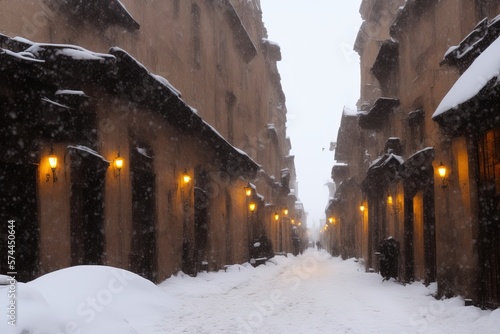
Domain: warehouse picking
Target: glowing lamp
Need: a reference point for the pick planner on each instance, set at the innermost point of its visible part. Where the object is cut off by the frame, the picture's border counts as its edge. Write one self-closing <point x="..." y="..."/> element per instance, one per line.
<point x="248" y="190"/>
<point x="442" y="170"/>
<point x="118" y="163"/>
<point x="52" y="161"/>
<point x="442" y="173"/>
<point x="52" y="158"/>
<point x="186" y="177"/>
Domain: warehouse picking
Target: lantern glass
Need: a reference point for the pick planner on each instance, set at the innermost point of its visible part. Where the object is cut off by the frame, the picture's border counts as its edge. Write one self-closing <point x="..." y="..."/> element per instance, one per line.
<point x="248" y="191"/>
<point x="52" y="161"/>
<point x="119" y="163"/>
<point x="252" y="206"/>
<point x="362" y="208"/>
<point x="276" y="216"/>
<point x="442" y="170"/>
<point x="186" y="177"/>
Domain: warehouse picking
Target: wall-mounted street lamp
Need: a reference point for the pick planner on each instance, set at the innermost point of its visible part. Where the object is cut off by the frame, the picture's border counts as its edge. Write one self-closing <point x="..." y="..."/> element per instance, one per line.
<point x="118" y="163"/>
<point x="53" y="165"/>
<point x="248" y="190"/>
<point x="252" y="206"/>
<point x="276" y="216"/>
<point x="285" y="211"/>
<point x="362" y="207"/>
<point x="389" y="200"/>
<point x="186" y="178"/>
<point x="442" y="174"/>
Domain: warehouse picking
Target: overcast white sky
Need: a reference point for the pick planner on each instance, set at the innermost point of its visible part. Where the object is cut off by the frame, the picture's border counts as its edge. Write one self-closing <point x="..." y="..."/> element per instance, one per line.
<point x="319" y="74"/>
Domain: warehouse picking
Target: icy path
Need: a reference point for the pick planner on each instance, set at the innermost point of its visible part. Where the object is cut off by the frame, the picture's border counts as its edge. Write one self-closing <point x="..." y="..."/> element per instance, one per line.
<point x="312" y="293"/>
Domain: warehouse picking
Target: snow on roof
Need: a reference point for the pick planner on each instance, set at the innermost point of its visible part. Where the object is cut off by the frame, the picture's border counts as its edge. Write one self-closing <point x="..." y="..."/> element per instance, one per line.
<point x="384" y="160"/>
<point x="122" y="61"/>
<point x="265" y="40"/>
<point x="482" y="70"/>
<point x="349" y="111"/>
<point x="71" y="51"/>
<point x="243" y="153"/>
<point x="421" y="151"/>
<point x="49" y="101"/>
<point x="158" y="78"/>
<point x="27" y="56"/>
<point x="144" y="152"/>
<point x="166" y="83"/>
<point x="470" y="41"/>
<point x="87" y="150"/>
<point x="122" y="7"/>
<point x="70" y="92"/>
<point x="22" y="40"/>
<point x="108" y="12"/>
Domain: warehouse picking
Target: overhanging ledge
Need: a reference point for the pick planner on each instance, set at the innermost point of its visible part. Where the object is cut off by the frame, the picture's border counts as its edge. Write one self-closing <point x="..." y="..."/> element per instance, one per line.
<point x="378" y="114"/>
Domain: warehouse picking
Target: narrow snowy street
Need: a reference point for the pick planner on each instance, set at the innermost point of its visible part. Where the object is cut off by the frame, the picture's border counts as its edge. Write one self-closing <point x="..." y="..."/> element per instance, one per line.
<point x="313" y="293"/>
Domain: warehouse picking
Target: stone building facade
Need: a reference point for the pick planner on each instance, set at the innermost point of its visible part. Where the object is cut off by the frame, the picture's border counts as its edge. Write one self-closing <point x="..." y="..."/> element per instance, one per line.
<point x="414" y="55"/>
<point x="172" y="89"/>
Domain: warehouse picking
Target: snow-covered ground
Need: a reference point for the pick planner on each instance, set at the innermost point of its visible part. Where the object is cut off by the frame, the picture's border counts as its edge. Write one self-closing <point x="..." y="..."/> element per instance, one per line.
<point x="311" y="293"/>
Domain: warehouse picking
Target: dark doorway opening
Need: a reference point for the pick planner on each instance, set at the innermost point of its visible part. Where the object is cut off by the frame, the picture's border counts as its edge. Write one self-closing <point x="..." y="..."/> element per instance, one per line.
<point x="18" y="203"/>
<point x="489" y="224"/>
<point x="201" y="219"/>
<point x="423" y="182"/>
<point x="143" y="254"/>
<point x="88" y="173"/>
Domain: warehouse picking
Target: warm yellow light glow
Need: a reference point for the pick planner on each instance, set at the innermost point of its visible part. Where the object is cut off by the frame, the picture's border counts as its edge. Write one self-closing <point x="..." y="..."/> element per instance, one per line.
<point x="442" y="170"/>
<point x="119" y="162"/>
<point x="389" y="200"/>
<point x="276" y="216"/>
<point x="293" y="221"/>
<point x="186" y="177"/>
<point x="362" y="208"/>
<point x="331" y="220"/>
<point x="252" y="206"/>
<point x="285" y="211"/>
<point x="248" y="191"/>
<point x="52" y="161"/>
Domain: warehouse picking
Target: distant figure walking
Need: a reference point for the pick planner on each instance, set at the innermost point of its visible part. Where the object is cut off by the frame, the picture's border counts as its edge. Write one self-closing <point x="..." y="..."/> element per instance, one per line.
<point x="318" y="245"/>
<point x="295" y="243"/>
